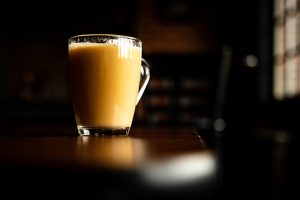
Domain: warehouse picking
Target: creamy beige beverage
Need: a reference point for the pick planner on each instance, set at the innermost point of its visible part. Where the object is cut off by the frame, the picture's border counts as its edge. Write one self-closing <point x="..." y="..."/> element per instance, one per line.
<point x="104" y="82"/>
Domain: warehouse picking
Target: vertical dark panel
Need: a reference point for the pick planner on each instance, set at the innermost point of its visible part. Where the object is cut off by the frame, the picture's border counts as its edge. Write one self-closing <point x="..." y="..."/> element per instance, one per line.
<point x="265" y="51"/>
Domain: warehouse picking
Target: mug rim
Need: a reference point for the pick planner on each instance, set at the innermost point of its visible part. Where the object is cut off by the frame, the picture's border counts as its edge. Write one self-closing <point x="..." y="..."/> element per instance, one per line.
<point x="116" y="36"/>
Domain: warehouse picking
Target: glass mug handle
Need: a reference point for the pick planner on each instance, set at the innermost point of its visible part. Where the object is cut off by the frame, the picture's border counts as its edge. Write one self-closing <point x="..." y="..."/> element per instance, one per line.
<point x="145" y="77"/>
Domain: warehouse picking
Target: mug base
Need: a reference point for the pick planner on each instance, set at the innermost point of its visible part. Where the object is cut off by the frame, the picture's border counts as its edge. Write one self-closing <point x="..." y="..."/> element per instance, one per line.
<point x="102" y="131"/>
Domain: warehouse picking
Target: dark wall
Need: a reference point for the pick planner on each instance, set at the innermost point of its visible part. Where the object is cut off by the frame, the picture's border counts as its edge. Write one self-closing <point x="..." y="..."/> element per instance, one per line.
<point x="33" y="46"/>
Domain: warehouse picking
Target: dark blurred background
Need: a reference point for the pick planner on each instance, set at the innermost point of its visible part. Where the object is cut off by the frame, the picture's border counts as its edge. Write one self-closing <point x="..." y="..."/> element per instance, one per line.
<point x="227" y="67"/>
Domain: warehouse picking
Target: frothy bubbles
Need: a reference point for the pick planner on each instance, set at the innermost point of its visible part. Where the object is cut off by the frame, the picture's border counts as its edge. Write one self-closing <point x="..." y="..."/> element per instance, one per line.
<point x="125" y="46"/>
<point x="125" y="43"/>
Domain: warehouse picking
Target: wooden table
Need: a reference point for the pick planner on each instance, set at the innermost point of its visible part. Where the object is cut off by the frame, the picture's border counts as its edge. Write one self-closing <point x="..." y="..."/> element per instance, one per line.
<point x="152" y="163"/>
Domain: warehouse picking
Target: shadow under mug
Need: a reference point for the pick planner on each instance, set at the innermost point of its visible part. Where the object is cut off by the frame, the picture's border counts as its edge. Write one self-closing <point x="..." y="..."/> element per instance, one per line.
<point x="107" y="77"/>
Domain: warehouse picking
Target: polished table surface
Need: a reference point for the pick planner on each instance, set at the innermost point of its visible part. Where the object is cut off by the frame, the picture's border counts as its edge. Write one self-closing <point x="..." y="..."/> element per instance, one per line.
<point x="150" y="162"/>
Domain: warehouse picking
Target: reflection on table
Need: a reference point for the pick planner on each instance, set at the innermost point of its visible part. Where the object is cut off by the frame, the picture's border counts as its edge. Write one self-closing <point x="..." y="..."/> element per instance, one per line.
<point x="150" y="163"/>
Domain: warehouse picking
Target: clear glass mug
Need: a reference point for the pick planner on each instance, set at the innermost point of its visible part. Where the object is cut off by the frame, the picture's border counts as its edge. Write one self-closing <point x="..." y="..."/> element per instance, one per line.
<point x="107" y="78"/>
